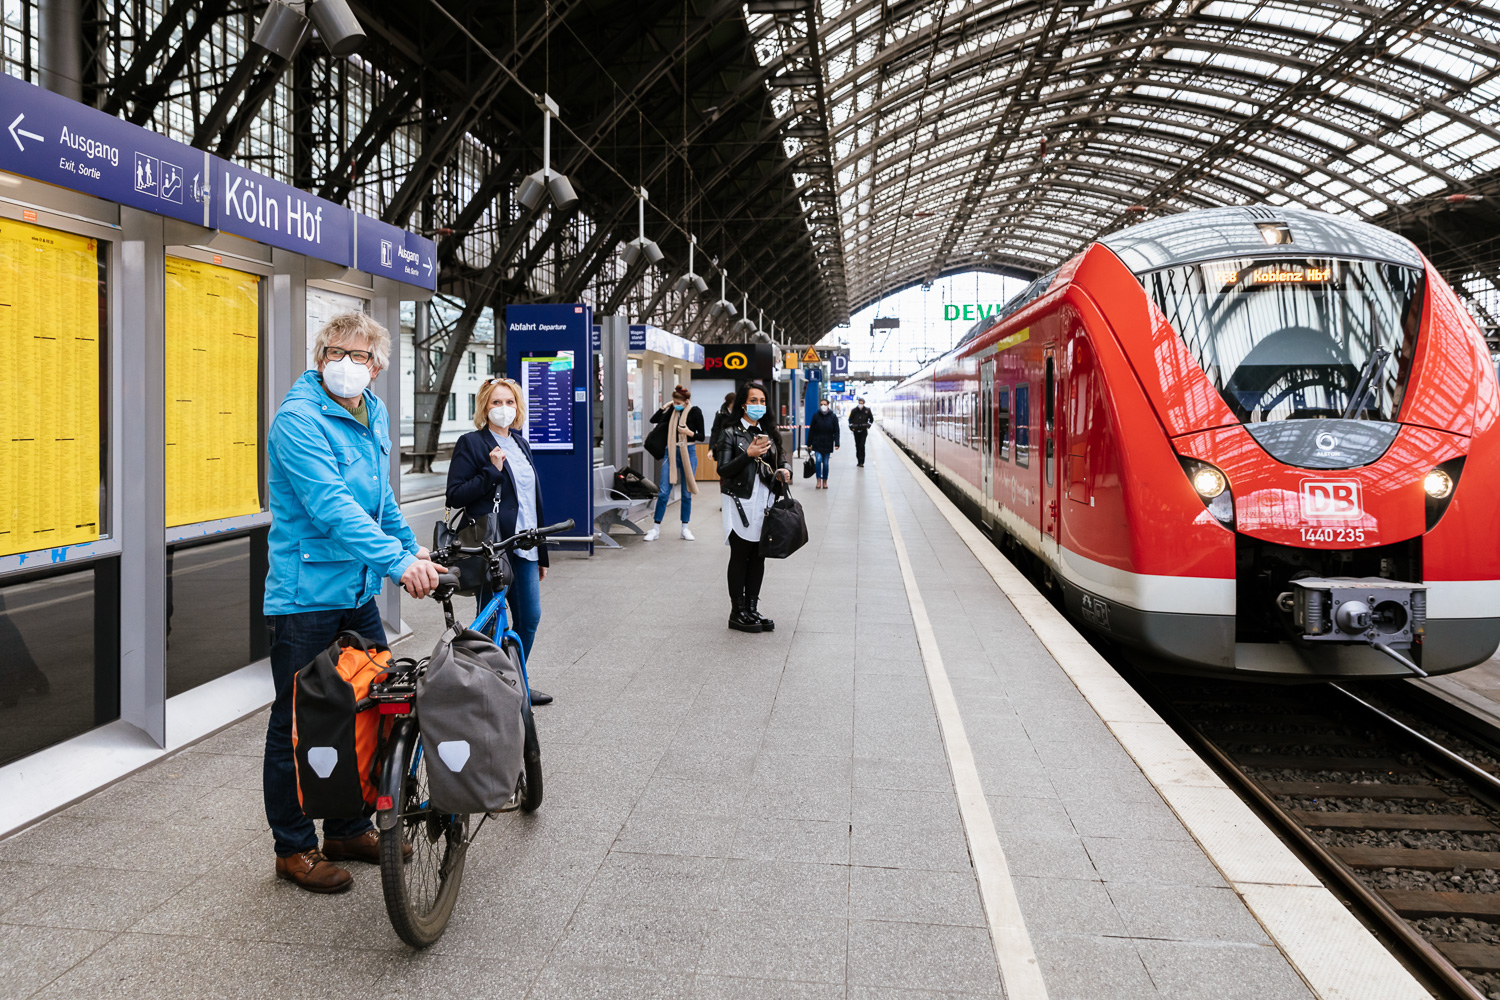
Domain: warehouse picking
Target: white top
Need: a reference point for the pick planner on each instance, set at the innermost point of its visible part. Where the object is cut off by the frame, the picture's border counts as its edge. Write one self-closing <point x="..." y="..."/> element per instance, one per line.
<point x="523" y="474"/>
<point x="755" y="511"/>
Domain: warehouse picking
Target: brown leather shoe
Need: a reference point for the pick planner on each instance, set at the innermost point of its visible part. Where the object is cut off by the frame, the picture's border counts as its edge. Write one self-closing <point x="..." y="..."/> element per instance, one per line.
<point x="313" y="872"/>
<point x="365" y="847"/>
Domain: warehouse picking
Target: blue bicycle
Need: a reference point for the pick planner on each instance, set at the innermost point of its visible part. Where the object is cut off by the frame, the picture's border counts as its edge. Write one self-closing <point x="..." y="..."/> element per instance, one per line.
<point x="422" y="851"/>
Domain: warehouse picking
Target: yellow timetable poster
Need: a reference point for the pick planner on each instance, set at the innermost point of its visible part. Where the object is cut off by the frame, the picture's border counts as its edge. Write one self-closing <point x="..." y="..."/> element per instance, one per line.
<point x="50" y="421"/>
<point x="213" y="395"/>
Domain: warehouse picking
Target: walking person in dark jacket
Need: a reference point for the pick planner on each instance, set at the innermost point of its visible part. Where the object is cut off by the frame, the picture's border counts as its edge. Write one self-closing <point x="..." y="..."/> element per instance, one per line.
<point x="493" y="475"/>
<point x="823" y="441"/>
<point x="724" y="417"/>
<point x="750" y="463"/>
<point x="860" y="421"/>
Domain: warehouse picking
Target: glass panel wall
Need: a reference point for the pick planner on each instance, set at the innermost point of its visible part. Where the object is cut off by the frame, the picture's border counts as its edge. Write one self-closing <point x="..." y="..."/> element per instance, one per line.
<point x="59" y="656"/>
<point x="214" y="623"/>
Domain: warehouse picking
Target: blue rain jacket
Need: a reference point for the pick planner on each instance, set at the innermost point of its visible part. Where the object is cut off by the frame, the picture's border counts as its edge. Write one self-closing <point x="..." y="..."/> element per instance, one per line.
<point x="336" y="529"/>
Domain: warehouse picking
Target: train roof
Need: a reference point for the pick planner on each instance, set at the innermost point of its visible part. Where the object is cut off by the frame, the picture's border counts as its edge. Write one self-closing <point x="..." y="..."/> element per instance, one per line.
<point x="1216" y="233"/>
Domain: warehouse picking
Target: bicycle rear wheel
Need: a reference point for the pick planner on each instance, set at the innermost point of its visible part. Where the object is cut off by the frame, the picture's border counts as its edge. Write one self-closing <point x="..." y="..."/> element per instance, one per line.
<point x="531" y="775"/>
<point x="420" y="891"/>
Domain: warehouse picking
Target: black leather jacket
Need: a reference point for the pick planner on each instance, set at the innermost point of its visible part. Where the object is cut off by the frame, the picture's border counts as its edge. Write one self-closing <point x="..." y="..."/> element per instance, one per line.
<point x="737" y="470"/>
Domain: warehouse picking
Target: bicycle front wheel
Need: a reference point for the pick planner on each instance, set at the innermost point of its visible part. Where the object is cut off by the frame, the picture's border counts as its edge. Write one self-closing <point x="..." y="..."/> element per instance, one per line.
<point x="420" y="889"/>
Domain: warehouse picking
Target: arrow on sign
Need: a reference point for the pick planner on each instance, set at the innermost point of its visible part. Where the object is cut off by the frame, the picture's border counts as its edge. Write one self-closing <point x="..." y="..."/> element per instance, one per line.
<point x="427" y="263"/>
<point x="30" y="135"/>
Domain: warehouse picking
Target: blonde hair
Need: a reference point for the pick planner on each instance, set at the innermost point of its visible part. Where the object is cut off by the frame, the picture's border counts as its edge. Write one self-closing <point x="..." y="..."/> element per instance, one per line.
<point x="482" y="402"/>
<point x="355" y="326"/>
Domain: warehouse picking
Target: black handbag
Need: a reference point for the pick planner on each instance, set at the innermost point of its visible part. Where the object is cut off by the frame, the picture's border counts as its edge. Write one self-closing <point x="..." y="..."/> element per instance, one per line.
<point x="474" y="573"/>
<point x="808" y="468"/>
<point x="656" y="441"/>
<point x="785" y="528"/>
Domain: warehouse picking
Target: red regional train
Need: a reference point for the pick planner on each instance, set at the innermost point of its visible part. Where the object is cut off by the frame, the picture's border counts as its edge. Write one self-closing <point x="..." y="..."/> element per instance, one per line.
<point x="1256" y="441"/>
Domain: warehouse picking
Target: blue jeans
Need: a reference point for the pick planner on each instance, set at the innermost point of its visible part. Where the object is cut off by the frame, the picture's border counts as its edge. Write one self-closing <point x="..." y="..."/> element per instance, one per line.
<point x="820" y="463"/>
<point x="664" y="493"/>
<point x="295" y="640"/>
<point x="525" y="600"/>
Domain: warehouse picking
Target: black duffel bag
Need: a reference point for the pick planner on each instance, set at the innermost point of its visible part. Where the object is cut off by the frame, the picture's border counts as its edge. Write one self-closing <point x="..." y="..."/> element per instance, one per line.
<point x="656" y="441"/>
<point x="633" y="486"/>
<point x="475" y="573"/>
<point x="785" y="527"/>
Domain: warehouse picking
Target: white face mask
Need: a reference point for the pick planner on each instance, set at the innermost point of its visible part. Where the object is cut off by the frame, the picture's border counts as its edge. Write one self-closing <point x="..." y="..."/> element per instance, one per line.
<point x="502" y="416"/>
<point x="346" y="378"/>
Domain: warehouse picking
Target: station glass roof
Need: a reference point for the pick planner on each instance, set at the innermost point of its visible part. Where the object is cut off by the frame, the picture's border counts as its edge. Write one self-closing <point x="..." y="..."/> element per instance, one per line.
<point x="1003" y="136"/>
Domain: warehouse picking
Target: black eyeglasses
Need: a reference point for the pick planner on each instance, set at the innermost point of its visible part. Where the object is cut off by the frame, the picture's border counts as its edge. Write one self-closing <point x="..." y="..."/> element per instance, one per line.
<point x="339" y="354"/>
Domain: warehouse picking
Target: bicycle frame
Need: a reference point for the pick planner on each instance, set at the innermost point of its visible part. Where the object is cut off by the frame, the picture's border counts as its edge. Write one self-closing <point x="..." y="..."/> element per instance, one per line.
<point x="497" y="610"/>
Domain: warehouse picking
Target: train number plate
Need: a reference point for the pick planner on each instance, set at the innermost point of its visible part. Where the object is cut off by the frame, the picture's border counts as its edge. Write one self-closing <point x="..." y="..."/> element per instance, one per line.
<point x="1333" y="534"/>
<point x="1337" y="499"/>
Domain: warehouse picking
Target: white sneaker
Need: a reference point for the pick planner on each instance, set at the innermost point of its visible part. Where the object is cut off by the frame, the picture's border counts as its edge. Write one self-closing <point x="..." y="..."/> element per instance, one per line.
<point x="654" y="533"/>
<point x="687" y="535"/>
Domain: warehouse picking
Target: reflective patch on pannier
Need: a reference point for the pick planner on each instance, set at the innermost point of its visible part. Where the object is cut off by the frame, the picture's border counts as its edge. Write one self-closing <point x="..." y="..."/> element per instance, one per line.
<point x="455" y="753"/>
<point x="323" y="760"/>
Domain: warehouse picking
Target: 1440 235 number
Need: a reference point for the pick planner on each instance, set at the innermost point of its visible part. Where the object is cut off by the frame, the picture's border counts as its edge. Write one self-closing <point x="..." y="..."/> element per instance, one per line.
<point x="1333" y="534"/>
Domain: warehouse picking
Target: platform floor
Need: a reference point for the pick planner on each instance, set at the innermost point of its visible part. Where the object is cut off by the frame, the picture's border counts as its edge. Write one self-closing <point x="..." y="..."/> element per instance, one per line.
<point x="726" y="815"/>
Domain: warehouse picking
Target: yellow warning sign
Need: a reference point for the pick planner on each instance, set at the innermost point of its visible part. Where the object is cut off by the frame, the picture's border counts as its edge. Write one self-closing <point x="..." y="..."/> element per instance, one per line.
<point x="811" y="357"/>
<point x="50" y="422"/>
<point x="213" y="392"/>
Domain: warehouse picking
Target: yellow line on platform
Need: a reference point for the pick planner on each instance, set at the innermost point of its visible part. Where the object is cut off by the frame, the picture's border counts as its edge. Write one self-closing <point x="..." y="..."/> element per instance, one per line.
<point x="1014" y="955"/>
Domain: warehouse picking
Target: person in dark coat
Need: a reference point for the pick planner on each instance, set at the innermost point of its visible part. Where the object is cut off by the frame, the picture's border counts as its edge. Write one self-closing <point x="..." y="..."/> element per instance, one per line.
<point x="723" y="417"/>
<point x="860" y="421"/>
<point x="750" y="464"/>
<point x="492" y="474"/>
<point x="823" y="441"/>
<point x="682" y="425"/>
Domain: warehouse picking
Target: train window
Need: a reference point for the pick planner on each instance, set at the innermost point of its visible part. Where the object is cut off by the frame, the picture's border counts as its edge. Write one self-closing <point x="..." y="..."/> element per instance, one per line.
<point x="1002" y="421"/>
<point x="1023" y="425"/>
<point x="1049" y="410"/>
<point x="973" y="420"/>
<point x="1296" y="338"/>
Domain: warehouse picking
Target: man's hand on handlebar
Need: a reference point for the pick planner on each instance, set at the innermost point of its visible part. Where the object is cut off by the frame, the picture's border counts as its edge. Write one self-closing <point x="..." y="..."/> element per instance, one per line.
<point x="421" y="577"/>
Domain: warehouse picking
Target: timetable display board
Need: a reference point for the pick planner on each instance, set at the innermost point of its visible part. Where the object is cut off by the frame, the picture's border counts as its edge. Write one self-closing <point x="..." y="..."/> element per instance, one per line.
<point x="213" y="392"/>
<point x="547" y="380"/>
<point x="50" y="412"/>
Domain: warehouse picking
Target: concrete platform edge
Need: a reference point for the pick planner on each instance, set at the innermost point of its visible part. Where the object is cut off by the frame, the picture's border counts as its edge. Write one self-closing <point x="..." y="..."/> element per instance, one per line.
<point x="1334" y="954"/>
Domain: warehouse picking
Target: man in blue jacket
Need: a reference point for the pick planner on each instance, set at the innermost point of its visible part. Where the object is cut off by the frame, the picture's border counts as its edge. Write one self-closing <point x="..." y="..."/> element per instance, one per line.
<point x="336" y="535"/>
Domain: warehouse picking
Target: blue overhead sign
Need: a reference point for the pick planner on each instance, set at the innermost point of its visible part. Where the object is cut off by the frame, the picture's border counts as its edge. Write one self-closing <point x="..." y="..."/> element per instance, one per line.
<point x="53" y="139"/>
<point x="644" y="337"/>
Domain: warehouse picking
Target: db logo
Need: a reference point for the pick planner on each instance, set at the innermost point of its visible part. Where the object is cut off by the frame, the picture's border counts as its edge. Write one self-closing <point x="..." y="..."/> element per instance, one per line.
<point x="734" y="360"/>
<point x="1335" y="498"/>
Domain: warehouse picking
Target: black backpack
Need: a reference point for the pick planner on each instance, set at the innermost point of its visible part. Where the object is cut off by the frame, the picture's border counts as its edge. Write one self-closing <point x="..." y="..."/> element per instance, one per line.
<point x="634" y="486"/>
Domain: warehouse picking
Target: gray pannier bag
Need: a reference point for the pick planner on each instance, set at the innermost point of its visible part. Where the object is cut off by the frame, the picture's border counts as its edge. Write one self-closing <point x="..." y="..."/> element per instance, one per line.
<point x="469" y="706"/>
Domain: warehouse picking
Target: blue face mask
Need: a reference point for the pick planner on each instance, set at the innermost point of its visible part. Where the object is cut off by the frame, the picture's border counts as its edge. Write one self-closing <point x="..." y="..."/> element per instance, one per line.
<point x="676" y="406"/>
<point x="755" y="411"/>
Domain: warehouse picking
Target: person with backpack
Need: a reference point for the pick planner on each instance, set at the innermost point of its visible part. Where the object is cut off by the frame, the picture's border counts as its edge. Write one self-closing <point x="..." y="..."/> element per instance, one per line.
<point x="493" y="475"/>
<point x="337" y="534"/>
<point x="750" y="462"/>
<point x="823" y="441"/>
<point x="860" y="422"/>
<point x="679" y="425"/>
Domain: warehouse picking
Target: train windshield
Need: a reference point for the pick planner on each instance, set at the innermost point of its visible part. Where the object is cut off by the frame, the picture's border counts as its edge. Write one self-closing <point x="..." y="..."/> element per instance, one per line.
<point x="1286" y="338"/>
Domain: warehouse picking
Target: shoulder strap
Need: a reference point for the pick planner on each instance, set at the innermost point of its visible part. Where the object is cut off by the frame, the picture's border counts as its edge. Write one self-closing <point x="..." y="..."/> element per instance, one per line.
<point x="744" y="518"/>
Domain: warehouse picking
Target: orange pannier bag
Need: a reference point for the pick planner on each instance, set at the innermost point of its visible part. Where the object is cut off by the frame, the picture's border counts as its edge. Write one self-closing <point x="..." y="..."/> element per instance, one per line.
<point x="333" y="745"/>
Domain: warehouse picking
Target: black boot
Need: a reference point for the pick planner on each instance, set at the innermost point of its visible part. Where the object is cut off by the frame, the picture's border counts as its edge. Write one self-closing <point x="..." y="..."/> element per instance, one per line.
<point x="739" y="619"/>
<point x="752" y="609"/>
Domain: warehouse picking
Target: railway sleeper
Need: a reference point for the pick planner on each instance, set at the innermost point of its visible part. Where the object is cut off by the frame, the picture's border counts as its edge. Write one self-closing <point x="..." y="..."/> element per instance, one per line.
<point x="1446" y="823"/>
<point x="1305" y="763"/>
<point x="1416" y="903"/>
<point x="1354" y="790"/>
<point x="1421" y="859"/>
<point x="1471" y="956"/>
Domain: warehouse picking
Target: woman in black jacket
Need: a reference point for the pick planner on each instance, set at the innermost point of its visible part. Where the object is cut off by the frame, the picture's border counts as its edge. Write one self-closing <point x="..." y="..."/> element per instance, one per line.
<point x="750" y="461"/>
<point x="823" y="441"/>
<point x="493" y="475"/>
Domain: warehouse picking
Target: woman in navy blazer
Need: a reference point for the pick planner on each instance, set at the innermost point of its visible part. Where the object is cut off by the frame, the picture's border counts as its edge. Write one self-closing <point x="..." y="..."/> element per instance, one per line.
<point x="492" y="474"/>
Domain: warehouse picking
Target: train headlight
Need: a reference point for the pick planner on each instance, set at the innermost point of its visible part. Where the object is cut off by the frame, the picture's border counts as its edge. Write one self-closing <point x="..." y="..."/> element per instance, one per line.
<point x="1438" y="484"/>
<point x="1210" y="482"/>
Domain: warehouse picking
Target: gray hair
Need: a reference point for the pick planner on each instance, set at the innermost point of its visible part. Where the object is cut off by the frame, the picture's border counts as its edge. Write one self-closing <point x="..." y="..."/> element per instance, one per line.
<point x="355" y="326"/>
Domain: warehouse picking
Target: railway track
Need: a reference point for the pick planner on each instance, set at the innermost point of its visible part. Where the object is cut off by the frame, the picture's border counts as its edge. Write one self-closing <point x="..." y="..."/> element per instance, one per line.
<point x="1397" y="808"/>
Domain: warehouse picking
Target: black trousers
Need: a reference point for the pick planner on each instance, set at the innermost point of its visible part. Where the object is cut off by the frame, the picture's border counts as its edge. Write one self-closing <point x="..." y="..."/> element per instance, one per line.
<point x="747" y="567"/>
<point x="859" y="446"/>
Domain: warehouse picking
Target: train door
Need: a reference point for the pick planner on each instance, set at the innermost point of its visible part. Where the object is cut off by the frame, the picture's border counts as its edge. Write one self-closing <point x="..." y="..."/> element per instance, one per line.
<point x="1050" y="491"/>
<point x="987" y="435"/>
